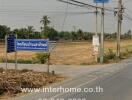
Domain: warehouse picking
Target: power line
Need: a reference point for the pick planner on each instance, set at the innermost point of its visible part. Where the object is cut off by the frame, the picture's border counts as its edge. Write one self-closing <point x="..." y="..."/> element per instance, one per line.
<point x="77" y="3"/>
<point x="66" y="14"/>
<point x="71" y="3"/>
<point x="128" y="17"/>
<point x="127" y="1"/>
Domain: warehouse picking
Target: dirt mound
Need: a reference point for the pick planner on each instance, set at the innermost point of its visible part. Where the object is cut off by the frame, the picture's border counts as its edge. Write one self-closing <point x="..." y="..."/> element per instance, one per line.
<point x="12" y="82"/>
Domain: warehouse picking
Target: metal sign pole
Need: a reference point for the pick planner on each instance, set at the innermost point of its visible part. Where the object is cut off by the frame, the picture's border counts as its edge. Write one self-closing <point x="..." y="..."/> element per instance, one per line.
<point x="48" y="59"/>
<point x="6" y="52"/>
<point x="15" y="55"/>
<point x="48" y="63"/>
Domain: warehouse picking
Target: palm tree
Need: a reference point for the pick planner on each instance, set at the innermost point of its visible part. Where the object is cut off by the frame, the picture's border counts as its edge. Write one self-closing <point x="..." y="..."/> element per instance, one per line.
<point x="30" y="30"/>
<point x="45" y="21"/>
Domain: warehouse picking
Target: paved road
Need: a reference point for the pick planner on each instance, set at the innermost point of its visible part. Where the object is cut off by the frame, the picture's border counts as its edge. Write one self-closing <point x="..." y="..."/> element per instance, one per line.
<point x="68" y="70"/>
<point x="115" y="87"/>
<point x="115" y="80"/>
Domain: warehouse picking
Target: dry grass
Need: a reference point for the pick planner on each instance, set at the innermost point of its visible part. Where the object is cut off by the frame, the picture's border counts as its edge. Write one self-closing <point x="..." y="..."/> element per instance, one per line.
<point x="11" y="82"/>
<point x="72" y="53"/>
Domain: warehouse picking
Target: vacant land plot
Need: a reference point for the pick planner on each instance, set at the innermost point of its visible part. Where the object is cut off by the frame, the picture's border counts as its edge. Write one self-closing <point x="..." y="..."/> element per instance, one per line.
<point x="72" y="53"/>
<point x="12" y="82"/>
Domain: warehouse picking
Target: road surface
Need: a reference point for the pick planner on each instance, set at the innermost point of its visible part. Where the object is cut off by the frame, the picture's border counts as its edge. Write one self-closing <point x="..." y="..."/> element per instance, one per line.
<point x="116" y="84"/>
<point x="115" y="87"/>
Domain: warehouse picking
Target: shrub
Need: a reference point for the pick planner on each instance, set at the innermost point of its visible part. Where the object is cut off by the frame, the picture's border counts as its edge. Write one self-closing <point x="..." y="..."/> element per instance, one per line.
<point x="27" y="61"/>
<point x="128" y="51"/>
<point x="41" y="57"/>
<point x="25" y="70"/>
<point x="1" y="70"/>
<point x="109" y="56"/>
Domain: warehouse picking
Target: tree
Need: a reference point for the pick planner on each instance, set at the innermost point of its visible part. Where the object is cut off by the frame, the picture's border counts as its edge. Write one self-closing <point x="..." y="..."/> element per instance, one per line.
<point x="21" y="33"/>
<point x="80" y="34"/>
<point x="30" y="30"/>
<point x="52" y="34"/>
<point x="129" y="34"/>
<point x="3" y="31"/>
<point x="45" y="21"/>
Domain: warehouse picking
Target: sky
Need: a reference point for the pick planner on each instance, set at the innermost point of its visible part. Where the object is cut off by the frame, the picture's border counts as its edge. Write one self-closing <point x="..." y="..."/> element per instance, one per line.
<point x="23" y="13"/>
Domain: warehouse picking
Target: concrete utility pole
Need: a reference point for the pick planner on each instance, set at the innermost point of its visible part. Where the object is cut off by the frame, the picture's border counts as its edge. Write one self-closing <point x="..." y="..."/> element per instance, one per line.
<point x="102" y="37"/>
<point x="120" y="18"/>
<point x="96" y="12"/>
<point x="96" y="35"/>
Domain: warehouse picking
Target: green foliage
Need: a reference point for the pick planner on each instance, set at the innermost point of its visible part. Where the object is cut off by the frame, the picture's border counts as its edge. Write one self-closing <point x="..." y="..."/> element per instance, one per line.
<point x="27" y="61"/>
<point x="22" y="61"/>
<point x="50" y="32"/>
<point x="126" y="53"/>
<point x="129" y="51"/>
<point x="3" y="31"/>
<point x="26" y="33"/>
<point x="30" y="30"/>
<point x="41" y="57"/>
<point x="109" y="56"/>
<point x="45" y="22"/>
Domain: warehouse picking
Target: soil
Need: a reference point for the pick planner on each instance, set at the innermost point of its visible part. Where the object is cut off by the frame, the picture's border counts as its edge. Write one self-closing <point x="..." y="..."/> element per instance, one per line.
<point x="12" y="81"/>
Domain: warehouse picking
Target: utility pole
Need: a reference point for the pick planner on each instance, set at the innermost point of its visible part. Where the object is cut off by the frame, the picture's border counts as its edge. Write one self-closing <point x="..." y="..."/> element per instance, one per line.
<point x="102" y="37"/>
<point x="119" y="27"/>
<point x="96" y="46"/>
<point x="96" y="12"/>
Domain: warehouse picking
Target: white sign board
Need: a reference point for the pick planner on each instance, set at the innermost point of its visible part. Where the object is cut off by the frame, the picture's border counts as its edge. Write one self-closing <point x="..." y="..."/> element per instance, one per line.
<point x="96" y="49"/>
<point x="95" y="40"/>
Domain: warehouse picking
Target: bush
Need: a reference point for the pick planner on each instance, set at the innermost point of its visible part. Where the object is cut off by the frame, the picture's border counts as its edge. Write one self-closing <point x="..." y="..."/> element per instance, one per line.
<point x="128" y="51"/>
<point x="1" y="70"/>
<point x="41" y="57"/>
<point x="109" y="56"/>
<point x="27" y="61"/>
<point x="126" y="54"/>
<point x="25" y="70"/>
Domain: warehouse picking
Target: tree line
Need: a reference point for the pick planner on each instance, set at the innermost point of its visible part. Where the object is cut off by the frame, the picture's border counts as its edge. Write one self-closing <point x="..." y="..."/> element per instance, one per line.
<point x="49" y="32"/>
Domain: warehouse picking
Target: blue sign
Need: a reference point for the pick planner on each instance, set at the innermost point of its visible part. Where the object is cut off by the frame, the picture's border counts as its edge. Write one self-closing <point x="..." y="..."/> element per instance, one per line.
<point x="11" y="43"/>
<point x="101" y="1"/>
<point x="36" y="45"/>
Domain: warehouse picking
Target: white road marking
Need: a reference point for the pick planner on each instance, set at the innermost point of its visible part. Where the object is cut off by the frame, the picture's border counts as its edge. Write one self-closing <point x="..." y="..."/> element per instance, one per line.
<point x="73" y="87"/>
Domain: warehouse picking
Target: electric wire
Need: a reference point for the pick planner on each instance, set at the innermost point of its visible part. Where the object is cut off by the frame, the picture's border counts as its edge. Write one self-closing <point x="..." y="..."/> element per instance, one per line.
<point x="66" y="14"/>
<point x="85" y="5"/>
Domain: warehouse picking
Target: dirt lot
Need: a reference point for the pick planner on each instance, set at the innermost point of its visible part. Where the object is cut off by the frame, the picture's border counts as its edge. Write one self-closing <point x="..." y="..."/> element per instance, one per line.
<point x="12" y="81"/>
<point x="72" y="53"/>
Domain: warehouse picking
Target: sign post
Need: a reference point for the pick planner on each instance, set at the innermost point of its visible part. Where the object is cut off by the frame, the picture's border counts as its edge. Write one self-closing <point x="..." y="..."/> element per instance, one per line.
<point x="15" y="57"/>
<point x="6" y="52"/>
<point x="48" y="63"/>
<point x="9" y="46"/>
